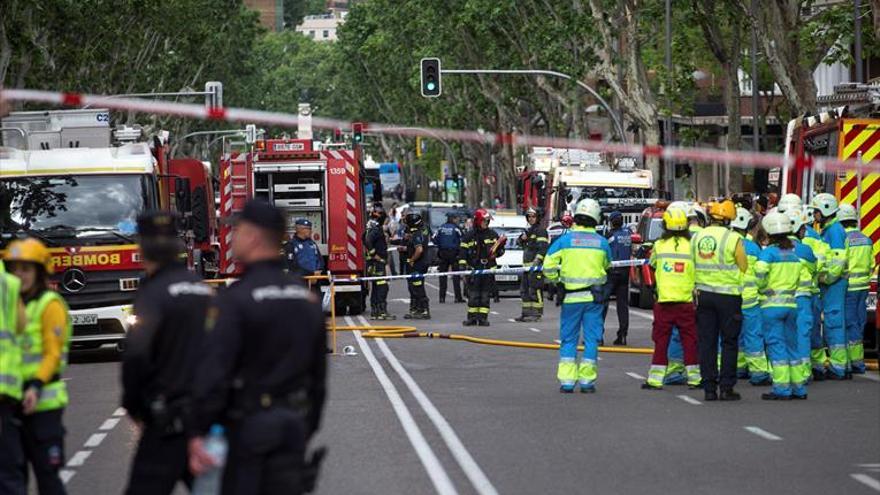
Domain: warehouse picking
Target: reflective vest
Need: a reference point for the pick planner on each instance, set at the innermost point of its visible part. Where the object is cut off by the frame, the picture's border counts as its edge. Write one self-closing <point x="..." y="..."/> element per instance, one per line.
<point x="778" y="272"/>
<point x="714" y="250"/>
<point x="859" y="259"/>
<point x="579" y="259"/>
<point x="834" y="236"/>
<point x="750" y="283"/>
<point x="674" y="270"/>
<point x="10" y="350"/>
<point x="694" y="229"/>
<point x="54" y="393"/>
<point x="808" y="267"/>
<point x="821" y="251"/>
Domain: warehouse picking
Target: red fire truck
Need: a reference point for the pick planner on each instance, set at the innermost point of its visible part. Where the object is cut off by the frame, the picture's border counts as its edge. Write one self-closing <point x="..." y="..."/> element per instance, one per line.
<point x="304" y="181"/>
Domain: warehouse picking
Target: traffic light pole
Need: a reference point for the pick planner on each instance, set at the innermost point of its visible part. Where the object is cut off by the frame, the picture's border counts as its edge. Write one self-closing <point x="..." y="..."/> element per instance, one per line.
<point x="540" y="72"/>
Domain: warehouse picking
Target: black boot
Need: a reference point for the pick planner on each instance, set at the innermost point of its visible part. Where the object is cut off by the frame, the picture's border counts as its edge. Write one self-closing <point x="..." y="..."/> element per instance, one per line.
<point x="729" y="395"/>
<point x="470" y="322"/>
<point x="620" y="340"/>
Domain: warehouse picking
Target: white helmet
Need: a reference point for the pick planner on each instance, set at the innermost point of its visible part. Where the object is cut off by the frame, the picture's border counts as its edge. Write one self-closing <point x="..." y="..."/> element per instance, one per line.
<point x="742" y="220"/>
<point x="697" y="211"/>
<point x="846" y="212"/>
<point x="776" y="223"/>
<point x="826" y="204"/>
<point x="590" y="208"/>
<point x="788" y="202"/>
<point x="798" y="219"/>
<point x="678" y="205"/>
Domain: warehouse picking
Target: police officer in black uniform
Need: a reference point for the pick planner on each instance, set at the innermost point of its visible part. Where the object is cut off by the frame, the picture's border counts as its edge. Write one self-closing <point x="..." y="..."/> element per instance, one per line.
<point x="415" y="240"/>
<point x="161" y="351"/>
<point x="377" y="259"/>
<point x="479" y="249"/>
<point x="448" y="242"/>
<point x="620" y="241"/>
<point x="264" y="371"/>
<point x="534" y="242"/>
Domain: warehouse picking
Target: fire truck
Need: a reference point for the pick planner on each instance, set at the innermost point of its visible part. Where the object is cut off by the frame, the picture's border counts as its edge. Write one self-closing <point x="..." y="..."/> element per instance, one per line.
<point x="78" y="185"/>
<point x="556" y="179"/>
<point x="305" y="179"/>
<point x="848" y="127"/>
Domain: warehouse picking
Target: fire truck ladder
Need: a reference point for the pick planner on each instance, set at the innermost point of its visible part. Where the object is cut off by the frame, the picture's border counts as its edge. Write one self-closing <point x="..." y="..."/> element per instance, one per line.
<point x="235" y="191"/>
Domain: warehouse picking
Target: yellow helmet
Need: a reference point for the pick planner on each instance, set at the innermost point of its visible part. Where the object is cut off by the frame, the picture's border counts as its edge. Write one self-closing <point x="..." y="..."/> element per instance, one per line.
<point x="30" y="250"/>
<point x="724" y="210"/>
<point x="675" y="220"/>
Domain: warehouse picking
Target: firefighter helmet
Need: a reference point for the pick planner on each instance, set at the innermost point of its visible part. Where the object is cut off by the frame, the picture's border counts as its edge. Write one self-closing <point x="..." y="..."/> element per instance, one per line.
<point x="797" y="217"/>
<point x="742" y="220"/>
<point x="826" y="204"/>
<point x="679" y="205"/>
<point x="413" y="220"/>
<point x="846" y="212"/>
<point x="698" y="212"/>
<point x="723" y="210"/>
<point x="30" y="250"/>
<point x="567" y="220"/>
<point x="531" y="212"/>
<point x="589" y="208"/>
<point x="675" y="220"/>
<point x="776" y="223"/>
<point x="482" y="218"/>
<point x="788" y="202"/>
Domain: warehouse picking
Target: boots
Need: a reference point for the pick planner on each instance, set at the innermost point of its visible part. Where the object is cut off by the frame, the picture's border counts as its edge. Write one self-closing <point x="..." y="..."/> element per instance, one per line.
<point x="483" y="320"/>
<point x="621" y="340"/>
<point x="470" y="322"/>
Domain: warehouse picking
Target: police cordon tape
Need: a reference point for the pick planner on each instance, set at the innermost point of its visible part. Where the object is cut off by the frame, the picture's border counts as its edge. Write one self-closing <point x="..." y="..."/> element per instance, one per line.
<point x="231" y="114"/>
<point x="470" y="273"/>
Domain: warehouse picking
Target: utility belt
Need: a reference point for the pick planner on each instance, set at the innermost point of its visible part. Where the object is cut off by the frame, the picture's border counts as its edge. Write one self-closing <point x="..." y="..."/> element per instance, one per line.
<point x="600" y="293"/>
<point x="245" y="403"/>
<point x="169" y="416"/>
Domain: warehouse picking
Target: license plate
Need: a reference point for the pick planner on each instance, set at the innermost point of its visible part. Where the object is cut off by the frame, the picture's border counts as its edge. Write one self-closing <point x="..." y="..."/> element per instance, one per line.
<point x="506" y="278"/>
<point x="872" y="302"/>
<point x="84" y="319"/>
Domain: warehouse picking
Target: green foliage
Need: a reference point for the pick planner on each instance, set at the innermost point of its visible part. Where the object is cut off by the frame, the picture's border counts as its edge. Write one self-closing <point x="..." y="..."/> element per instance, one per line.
<point x="295" y="10"/>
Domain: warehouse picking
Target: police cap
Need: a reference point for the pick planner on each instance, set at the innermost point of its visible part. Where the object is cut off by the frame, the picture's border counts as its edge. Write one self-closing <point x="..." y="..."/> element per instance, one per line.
<point x="303" y="222"/>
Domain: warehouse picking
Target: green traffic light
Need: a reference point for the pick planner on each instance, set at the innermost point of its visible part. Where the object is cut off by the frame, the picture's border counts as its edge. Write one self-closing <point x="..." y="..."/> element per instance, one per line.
<point x="431" y="86"/>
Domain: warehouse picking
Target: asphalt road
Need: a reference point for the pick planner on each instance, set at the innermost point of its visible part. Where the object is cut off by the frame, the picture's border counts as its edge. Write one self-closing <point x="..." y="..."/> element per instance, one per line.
<point x="438" y="416"/>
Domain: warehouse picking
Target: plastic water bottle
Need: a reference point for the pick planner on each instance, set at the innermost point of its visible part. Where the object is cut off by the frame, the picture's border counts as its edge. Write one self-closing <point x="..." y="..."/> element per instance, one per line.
<point x="210" y="482"/>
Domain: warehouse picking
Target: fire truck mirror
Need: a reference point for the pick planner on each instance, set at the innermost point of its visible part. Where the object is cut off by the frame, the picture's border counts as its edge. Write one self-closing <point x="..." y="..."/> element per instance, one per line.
<point x="182" y="195"/>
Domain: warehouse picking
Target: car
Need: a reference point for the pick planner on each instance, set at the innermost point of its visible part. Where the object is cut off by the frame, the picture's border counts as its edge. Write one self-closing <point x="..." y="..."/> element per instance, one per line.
<point x="511" y="225"/>
<point x="641" y="279"/>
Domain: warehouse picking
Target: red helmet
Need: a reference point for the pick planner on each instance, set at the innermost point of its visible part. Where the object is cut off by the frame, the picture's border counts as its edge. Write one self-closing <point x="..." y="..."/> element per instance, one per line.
<point x="481" y="216"/>
<point x="567" y="220"/>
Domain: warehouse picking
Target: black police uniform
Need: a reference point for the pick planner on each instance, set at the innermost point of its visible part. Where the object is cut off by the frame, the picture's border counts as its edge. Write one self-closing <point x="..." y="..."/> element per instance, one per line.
<point x="158" y="368"/>
<point x="264" y="376"/>
<point x="534" y="250"/>
<point x="448" y="241"/>
<point x="377" y="259"/>
<point x="475" y="248"/>
<point x="620" y="242"/>
<point x="419" y="306"/>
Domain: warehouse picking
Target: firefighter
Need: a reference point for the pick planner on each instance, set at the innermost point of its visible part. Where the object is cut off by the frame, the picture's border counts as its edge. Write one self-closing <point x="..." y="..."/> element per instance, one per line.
<point x="377" y="259"/>
<point x="480" y="247"/>
<point x="720" y="263"/>
<point x="263" y="374"/>
<point x="620" y="241"/>
<point x="416" y="242"/>
<point x="161" y="351"/>
<point x="534" y="242"/>
<point x="778" y="272"/>
<point x="578" y="262"/>
<point x="673" y="266"/>
<point x="45" y="345"/>
<point x="754" y="360"/>
<point x="448" y="240"/>
<point x="13" y="321"/>
<point x="833" y="290"/>
<point x="302" y="253"/>
<point x="860" y="263"/>
<point x="800" y="365"/>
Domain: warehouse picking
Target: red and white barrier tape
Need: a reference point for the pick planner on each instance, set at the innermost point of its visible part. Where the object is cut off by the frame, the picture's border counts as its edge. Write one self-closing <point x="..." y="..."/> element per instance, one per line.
<point x="196" y="111"/>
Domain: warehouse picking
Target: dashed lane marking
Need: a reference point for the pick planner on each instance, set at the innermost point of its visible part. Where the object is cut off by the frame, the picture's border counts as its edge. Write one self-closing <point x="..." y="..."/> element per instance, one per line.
<point x="95" y="440"/>
<point x="119" y="412"/>
<point x="689" y="399"/>
<point x="535" y="330"/>
<point x="762" y="433"/>
<point x="432" y="286"/>
<point x="635" y="375"/>
<point x="79" y="458"/>
<point x="109" y="424"/>
<point x="867" y="481"/>
<point x="511" y="320"/>
<point x="65" y="475"/>
<point x="495" y="312"/>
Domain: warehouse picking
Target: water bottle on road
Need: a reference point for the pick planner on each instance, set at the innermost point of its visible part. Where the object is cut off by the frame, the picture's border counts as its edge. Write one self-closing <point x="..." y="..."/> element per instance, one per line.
<point x="211" y="481"/>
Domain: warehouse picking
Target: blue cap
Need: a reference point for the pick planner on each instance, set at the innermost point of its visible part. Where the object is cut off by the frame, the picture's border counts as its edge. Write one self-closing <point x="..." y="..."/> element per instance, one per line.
<point x="303" y="222"/>
<point x="615" y="214"/>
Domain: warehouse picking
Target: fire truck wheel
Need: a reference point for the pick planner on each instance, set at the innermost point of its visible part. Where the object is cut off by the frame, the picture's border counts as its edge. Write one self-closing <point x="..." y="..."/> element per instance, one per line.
<point x="646" y="298"/>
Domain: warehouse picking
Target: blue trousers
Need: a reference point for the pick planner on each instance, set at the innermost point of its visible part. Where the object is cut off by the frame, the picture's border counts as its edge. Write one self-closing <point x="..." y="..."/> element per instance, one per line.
<point x="856" y="318"/>
<point x="833" y="300"/>
<point x="780" y="332"/>
<point x="580" y="321"/>
<point x="804" y="332"/>
<point x="675" y="370"/>
<point x="817" y="343"/>
<point x="752" y="344"/>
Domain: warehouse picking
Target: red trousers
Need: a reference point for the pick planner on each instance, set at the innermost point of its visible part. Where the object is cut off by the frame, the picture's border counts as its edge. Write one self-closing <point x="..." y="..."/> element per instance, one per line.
<point x="679" y="315"/>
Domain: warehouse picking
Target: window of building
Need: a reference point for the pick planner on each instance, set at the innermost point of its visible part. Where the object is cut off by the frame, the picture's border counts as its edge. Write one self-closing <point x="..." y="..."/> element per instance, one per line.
<point x="326" y="33"/>
<point x="311" y="34"/>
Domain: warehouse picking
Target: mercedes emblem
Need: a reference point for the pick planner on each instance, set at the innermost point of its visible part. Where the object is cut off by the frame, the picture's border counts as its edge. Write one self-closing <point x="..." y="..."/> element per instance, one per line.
<point x="74" y="280"/>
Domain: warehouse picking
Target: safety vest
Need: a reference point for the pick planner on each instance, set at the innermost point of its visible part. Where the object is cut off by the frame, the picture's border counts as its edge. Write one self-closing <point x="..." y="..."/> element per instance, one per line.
<point x="714" y="250"/>
<point x="674" y="270"/>
<point x="778" y="272"/>
<point x="859" y="259"/>
<point x="579" y="259"/>
<point x="750" y="283"/>
<point x="834" y="236"/>
<point x="694" y="229"/>
<point x="10" y="350"/>
<point x="821" y="251"/>
<point x="54" y="394"/>
<point x="808" y="267"/>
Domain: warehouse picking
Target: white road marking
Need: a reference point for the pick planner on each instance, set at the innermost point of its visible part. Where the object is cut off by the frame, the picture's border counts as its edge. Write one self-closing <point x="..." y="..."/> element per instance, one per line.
<point x="870" y="465"/>
<point x="494" y="312"/>
<point x="65" y="475"/>
<point x="635" y="375"/>
<point x="557" y="341"/>
<point x="79" y="458"/>
<point x="638" y="312"/>
<point x="120" y="412"/>
<point x="870" y="376"/>
<point x="95" y="440"/>
<point x="511" y="320"/>
<point x="535" y="330"/>
<point x="473" y="472"/>
<point x="404" y="300"/>
<point x="689" y="399"/>
<point x="109" y="424"/>
<point x="867" y="481"/>
<point x="432" y="286"/>
<point x="436" y="472"/>
<point x="762" y="433"/>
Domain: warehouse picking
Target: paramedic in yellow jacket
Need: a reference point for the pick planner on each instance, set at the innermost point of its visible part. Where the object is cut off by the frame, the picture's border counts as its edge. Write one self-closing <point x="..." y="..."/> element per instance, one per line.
<point x="45" y="346"/>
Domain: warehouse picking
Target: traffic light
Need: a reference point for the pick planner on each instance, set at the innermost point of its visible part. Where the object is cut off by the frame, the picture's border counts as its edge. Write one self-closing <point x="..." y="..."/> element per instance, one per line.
<point x="213" y="95"/>
<point x="431" y="77"/>
<point x="357" y="133"/>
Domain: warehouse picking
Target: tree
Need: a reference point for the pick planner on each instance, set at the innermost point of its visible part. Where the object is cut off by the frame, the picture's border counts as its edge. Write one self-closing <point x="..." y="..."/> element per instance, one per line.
<point x="295" y="10"/>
